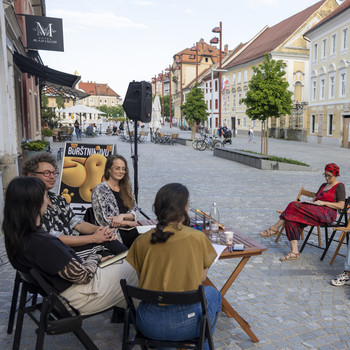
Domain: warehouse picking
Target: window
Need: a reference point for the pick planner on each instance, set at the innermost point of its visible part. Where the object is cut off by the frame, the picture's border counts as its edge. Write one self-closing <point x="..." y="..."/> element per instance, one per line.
<point x="315" y="52"/>
<point x="331" y="86"/>
<point x="244" y="121"/>
<point x="313" y="91"/>
<point x="234" y="100"/>
<point x="312" y="126"/>
<point x="330" y="124"/>
<point x="342" y="87"/>
<point x="344" y="39"/>
<point x="216" y="103"/>
<point x="333" y="44"/>
<point x="206" y="59"/>
<point x="211" y="105"/>
<point x="324" y="48"/>
<point x="245" y="75"/>
<point x="91" y="100"/>
<point x="233" y="78"/>
<point x="239" y="77"/>
<point x="239" y="99"/>
<point x="216" y="85"/>
<point x="322" y="88"/>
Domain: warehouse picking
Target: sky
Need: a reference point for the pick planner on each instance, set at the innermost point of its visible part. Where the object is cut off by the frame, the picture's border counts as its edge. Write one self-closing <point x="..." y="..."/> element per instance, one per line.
<point x="118" y="41"/>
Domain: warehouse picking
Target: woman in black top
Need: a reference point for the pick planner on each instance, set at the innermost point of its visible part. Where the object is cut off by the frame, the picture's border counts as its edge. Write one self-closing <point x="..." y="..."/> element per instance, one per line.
<point x="88" y="288"/>
<point x="113" y="201"/>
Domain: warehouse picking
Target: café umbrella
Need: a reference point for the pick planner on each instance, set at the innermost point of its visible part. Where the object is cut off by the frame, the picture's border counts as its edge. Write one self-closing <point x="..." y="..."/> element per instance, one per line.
<point x="155" y="124"/>
<point x="81" y="110"/>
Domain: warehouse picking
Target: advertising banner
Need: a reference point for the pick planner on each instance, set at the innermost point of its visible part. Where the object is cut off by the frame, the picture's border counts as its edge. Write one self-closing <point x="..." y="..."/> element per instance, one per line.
<point x="44" y="33"/>
<point x="82" y="169"/>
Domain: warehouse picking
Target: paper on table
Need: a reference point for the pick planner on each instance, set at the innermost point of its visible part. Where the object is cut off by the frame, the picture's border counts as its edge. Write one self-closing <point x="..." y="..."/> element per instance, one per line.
<point x="144" y="229"/>
<point x="219" y="249"/>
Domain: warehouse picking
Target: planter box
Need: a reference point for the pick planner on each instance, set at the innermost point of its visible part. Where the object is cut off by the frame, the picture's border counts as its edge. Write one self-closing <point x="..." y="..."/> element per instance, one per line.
<point x="184" y="142"/>
<point x="258" y="161"/>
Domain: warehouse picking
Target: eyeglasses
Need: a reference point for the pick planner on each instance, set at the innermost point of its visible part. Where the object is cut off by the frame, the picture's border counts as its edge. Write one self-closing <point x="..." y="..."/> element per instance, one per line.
<point x="48" y="173"/>
<point x="118" y="168"/>
<point x="328" y="176"/>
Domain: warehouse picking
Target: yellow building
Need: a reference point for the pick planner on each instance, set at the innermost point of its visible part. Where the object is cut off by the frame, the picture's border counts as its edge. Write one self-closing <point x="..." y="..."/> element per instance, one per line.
<point x="329" y="106"/>
<point x="283" y="41"/>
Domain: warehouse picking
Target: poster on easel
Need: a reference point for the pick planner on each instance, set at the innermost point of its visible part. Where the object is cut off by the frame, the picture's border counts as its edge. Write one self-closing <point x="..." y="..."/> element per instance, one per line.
<point x="82" y="170"/>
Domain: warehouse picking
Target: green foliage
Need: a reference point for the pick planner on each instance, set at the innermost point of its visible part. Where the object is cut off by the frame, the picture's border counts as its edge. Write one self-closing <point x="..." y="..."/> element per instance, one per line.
<point x="114" y="111"/>
<point x="195" y="108"/>
<point x="46" y="132"/>
<point x="48" y="116"/>
<point x="278" y="159"/>
<point x="166" y="106"/>
<point x="37" y="145"/>
<point x="60" y="101"/>
<point x="268" y="94"/>
<point x="44" y="101"/>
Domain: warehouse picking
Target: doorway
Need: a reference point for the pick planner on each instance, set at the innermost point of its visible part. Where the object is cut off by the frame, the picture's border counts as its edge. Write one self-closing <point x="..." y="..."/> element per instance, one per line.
<point x="346" y="133"/>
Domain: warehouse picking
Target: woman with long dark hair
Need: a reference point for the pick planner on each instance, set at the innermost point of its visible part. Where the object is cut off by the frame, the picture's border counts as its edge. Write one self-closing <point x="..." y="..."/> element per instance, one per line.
<point x="87" y="287"/>
<point x="173" y="258"/>
<point x="113" y="201"/>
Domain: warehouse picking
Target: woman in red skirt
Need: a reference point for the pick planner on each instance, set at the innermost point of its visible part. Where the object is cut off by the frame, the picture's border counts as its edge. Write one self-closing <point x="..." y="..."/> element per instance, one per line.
<point x="323" y="210"/>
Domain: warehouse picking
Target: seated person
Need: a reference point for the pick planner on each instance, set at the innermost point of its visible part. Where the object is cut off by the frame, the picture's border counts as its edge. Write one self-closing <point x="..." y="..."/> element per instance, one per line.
<point x="59" y="219"/>
<point x="344" y="278"/>
<point x="90" y="130"/>
<point x="88" y="288"/>
<point x="113" y="201"/>
<point x="173" y="258"/>
<point x="323" y="210"/>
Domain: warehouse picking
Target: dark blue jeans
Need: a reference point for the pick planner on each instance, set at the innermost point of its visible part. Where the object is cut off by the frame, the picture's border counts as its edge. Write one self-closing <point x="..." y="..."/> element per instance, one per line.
<point x="177" y="322"/>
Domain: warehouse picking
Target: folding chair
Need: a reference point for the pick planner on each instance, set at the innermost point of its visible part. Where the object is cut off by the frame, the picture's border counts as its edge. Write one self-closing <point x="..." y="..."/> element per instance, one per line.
<point x="57" y="316"/>
<point x="151" y="296"/>
<point x="344" y="233"/>
<point x="342" y="221"/>
<point x="301" y="193"/>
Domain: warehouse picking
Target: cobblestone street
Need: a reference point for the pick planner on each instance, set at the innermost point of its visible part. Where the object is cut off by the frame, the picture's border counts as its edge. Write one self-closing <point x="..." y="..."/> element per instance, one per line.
<point x="289" y="305"/>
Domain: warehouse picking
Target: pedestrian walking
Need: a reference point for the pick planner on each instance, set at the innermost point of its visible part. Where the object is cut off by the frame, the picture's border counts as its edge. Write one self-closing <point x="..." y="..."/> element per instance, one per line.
<point x="251" y="134"/>
<point x="77" y="130"/>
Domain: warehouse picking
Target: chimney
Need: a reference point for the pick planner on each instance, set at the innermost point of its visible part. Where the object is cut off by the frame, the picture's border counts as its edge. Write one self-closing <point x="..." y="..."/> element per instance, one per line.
<point x="226" y="49"/>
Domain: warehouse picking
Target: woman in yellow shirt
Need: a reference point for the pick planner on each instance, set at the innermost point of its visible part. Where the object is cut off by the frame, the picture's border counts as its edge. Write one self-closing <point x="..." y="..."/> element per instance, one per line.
<point x="173" y="258"/>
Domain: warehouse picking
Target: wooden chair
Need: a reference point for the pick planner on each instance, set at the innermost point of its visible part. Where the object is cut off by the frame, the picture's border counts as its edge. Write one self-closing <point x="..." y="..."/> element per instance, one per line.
<point x="170" y="298"/>
<point x="301" y="193"/>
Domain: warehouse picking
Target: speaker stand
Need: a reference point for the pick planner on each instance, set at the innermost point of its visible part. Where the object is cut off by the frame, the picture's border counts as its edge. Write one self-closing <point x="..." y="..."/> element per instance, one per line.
<point x="135" y="159"/>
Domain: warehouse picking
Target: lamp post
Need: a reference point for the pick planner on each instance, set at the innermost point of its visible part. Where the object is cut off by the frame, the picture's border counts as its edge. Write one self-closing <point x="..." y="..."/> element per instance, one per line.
<point x="195" y="48"/>
<point x="169" y="77"/>
<point x="179" y="67"/>
<point x="215" y="41"/>
<point x="212" y="92"/>
<point x="161" y="77"/>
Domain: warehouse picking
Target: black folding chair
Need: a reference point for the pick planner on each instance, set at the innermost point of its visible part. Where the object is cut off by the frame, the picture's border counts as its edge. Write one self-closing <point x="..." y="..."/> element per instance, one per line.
<point x="150" y="296"/>
<point x="341" y="221"/>
<point x="56" y="316"/>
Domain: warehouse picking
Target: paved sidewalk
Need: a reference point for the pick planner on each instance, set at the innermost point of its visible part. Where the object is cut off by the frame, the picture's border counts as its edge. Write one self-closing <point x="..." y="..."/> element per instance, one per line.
<point x="289" y="305"/>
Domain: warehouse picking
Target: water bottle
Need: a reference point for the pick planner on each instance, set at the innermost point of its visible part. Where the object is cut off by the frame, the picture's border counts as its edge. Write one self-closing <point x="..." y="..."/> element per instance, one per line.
<point x="214" y="226"/>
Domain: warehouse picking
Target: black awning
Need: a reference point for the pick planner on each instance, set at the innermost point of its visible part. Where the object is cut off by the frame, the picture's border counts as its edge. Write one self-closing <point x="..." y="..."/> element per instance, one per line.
<point x="45" y="74"/>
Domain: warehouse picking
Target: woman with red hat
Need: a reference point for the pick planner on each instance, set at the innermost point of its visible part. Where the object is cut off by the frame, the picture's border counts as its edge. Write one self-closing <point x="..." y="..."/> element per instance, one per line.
<point x="322" y="210"/>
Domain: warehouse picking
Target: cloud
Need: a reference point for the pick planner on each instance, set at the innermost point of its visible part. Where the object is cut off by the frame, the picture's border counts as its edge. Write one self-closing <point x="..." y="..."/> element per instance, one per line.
<point x="97" y="20"/>
<point x="144" y="3"/>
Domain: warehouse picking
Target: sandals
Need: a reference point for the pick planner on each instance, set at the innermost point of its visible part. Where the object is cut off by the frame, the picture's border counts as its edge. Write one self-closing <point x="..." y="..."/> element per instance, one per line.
<point x="290" y="256"/>
<point x="268" y="233"/>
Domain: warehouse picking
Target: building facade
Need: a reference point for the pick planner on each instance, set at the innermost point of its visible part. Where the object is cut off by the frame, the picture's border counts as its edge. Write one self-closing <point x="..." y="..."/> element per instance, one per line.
<point x="329" y="81"/>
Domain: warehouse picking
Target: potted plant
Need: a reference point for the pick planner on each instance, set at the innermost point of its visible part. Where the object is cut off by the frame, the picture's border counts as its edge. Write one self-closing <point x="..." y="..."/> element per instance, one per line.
<point x="47" y="134"/>
<point x="32" y="147"/>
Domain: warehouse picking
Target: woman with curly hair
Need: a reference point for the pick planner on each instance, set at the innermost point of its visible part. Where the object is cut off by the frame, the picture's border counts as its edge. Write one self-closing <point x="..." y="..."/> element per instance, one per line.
<point x="173" y="258"/>
<point x="113" y="202"/>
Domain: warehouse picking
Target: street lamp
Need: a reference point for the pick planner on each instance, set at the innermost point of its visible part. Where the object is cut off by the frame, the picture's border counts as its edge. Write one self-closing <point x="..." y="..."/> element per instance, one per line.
<point x="179" y="67"/>
<point x="195" y="48"/>
<point x="215" y="41"/>
<point x="212" y="92"/>
<point x="169" y="77"/>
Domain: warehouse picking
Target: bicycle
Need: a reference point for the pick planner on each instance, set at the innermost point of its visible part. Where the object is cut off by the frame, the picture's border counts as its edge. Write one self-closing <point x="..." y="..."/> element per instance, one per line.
<point x="195" y="141"/>
<point x="210" y="142"/>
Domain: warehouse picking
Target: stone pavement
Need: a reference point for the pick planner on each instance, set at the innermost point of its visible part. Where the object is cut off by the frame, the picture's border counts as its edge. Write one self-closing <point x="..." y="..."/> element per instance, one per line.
<point x="289" y="305"/>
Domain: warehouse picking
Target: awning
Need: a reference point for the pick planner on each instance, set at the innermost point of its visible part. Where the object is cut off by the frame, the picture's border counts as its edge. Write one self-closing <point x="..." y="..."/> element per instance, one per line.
<point x="45" y="74"/>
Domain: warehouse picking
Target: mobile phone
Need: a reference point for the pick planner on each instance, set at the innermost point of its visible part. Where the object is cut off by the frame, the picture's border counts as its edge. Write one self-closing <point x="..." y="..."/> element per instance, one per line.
<point x="237" y="247"/>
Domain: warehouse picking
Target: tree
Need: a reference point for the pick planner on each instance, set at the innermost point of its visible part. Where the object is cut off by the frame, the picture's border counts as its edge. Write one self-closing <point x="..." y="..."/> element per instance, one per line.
<point x="114" y="111"/>
<point x="195" y="108"/>
<point x="268" y="95"/>
<point x="166" y="106"/>
<point x="60" y="101"/>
